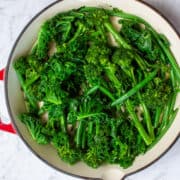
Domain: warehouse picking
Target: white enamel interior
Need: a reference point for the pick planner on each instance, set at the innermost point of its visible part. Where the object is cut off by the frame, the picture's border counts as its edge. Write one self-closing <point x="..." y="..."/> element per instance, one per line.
<point x="16" y="102"/>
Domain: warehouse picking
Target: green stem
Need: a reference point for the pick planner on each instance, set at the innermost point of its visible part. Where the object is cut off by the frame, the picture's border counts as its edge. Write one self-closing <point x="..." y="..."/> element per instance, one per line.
<point x="135" y="89"/>
<point x="92" y="90"/>
<point x="63" y="123"/>
<point x="68" y="30"/>
<point x="137" y="123"/>
<point x="148" y="120"/>
<point x="83" y="139"/>
<point x="113" y="129"/>
<point x="103" y="90"/>
<point x="90" y="127"/>
<point x="173" y="101"/>
<point x="87" y="115"/>
<point x="145" y="110"/>
<point x="140" y="62"/>
<point x="80" y="30"/>
<point x="117" y="36"/>
<point x="166" y="115"/>
<point x="88" y="9"/>
<point x="97" y="127"/>
<point x="157" y="117"/>
<point x="79" y="133"/>
<point x="112" y="77"/>
<point x="107" y="93"/>
<point x="173" y="81"/>
<point x="90" y="131"/>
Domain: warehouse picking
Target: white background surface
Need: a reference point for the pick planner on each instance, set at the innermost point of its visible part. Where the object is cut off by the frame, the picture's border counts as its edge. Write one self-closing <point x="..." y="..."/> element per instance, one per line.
<point x="16" y="161"/>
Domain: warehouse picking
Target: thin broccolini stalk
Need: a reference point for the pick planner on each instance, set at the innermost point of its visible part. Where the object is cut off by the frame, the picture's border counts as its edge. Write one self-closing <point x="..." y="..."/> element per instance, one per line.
<point x="147" y="118"/>
<point x="83" y="139"/>
<point x="97" y="128"/>
<point x="164" y="118"/>
<point x="83" y="116"/>
<point x="157" y="117"/>
<point x="145" y="110"/>
<point x="173" y="79"/>
<point x="136" y="88"/>
<point x="110" y="72"/>
<point x="92" y="90"/>
<point x="79" y="133"/>
<point x="63" y="124"/>
<point x="173" y="101"/>
<point x="103" y="90"/>
<point x="116" y="35"/>
<point x="106" y="92"/>
<point x="137" y="123"/>
<point x="90" y="132"/>
<point x="80" y="29"/>
<point x="140" y="62"/>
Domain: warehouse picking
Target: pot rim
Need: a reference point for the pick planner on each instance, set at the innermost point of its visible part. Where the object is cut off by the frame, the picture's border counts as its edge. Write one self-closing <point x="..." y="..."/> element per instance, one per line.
<point x="10" y="113"/>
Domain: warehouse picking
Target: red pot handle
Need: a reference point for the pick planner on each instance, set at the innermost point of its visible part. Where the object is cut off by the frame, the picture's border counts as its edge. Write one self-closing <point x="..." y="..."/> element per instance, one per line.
<point x="2" y="71"/>
<point x="5" y="127"/>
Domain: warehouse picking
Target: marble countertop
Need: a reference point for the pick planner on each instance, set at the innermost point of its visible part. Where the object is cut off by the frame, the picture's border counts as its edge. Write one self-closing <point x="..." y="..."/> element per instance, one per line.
<point x="16" y="161"/>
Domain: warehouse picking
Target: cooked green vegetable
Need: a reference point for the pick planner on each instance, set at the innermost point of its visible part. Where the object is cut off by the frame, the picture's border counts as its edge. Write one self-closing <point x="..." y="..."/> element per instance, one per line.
<point x="95" y="100"/>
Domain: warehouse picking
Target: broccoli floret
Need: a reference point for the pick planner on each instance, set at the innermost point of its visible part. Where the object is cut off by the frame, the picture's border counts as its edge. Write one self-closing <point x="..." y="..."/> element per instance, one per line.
<point x="142" y="39"/>
<point x="98" y="146"/>
<point x="157" y="95"/>
<point x="67" y="153"/>
<point x="41" y="47"/>
<point x="35" y="128"/>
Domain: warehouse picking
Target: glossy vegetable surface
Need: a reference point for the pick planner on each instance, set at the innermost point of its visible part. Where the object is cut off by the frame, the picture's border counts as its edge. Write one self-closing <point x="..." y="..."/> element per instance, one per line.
<point x="95" y="100"/>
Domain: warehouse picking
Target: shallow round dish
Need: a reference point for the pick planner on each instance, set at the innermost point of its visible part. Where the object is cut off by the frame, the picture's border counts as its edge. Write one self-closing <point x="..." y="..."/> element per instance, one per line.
<point x="15" y="101"/>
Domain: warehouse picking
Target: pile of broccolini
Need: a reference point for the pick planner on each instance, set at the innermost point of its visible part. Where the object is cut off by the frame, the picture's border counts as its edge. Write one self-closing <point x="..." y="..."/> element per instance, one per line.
<point x="94" y="100"/>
